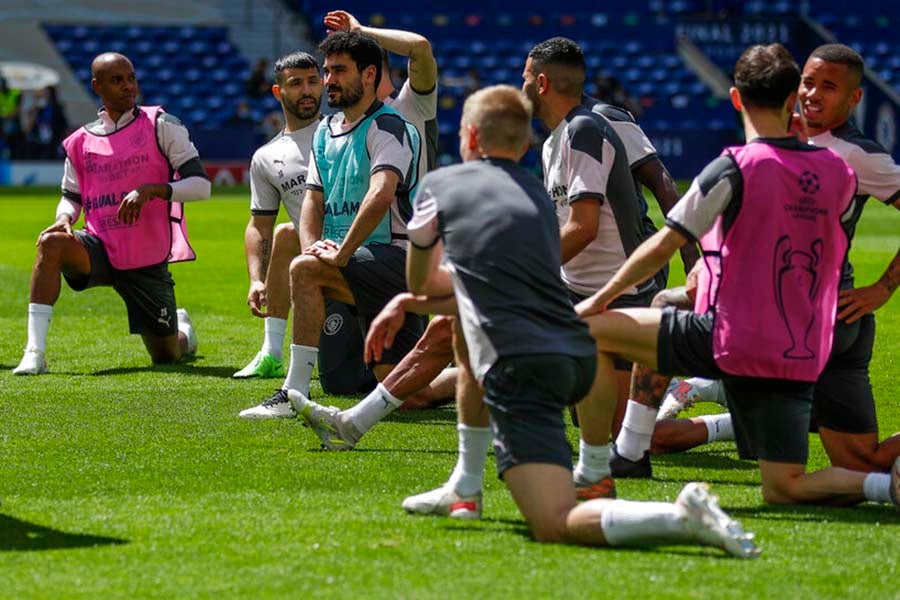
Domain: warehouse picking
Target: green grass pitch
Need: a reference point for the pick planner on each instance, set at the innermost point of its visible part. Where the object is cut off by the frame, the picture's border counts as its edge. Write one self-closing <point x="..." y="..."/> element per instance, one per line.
<point x="122" y="480"/>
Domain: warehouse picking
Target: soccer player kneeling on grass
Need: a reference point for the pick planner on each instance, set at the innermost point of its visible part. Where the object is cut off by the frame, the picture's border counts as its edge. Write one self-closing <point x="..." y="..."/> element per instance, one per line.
<point x="527" y="348"/>
<point x="772" y="219"/>
<point x="120" y="169"/>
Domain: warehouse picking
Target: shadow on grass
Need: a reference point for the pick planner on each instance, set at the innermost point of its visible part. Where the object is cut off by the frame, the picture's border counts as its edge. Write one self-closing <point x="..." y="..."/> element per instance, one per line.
<point x="437" y="416"/>
<point x="712" y="459"/>
<point x="869" y="513"/>
<point x="491" y="525"/>
<point x="182" y="367"/>
<point x="17" y="535"/>
<point x="388" y="451"/>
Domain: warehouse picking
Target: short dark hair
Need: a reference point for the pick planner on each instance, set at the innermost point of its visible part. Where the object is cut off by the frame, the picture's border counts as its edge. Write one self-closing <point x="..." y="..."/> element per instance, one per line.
<point x="766" y="76"/>
<point x="561" y="52"/>
<point x="294" y="60"/>
<point x="842" y="55"/>
<point x="362" y="49"/>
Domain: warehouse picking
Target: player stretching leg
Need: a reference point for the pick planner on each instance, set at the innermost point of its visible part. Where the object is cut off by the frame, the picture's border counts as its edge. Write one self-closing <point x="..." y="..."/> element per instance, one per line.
<point x="843" y="404"/>
<point x="770" y="397"/>
<point x="119" y="170"/>
<point x="535" y="357"/>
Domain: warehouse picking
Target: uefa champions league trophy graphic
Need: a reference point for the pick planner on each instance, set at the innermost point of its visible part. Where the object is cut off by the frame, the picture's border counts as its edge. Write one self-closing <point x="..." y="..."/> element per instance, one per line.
<point x="796" y="285"/>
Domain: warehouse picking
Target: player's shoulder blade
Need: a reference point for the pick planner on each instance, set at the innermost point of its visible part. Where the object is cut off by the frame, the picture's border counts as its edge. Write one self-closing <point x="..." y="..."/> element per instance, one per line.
<point x="586" y="132"/>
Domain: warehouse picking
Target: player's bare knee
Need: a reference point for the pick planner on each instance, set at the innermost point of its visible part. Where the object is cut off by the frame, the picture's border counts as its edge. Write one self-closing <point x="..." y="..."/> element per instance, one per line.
<point x="671" y="297"/>
<point x="52" y="245"/>
<point x="304" y="268"/>
<point x="550" y="532"/>
<point x="163" y="356"/>
<point x="439" y="333"/>
<point x="780" y="492"/>
<point x="285" y="235"/>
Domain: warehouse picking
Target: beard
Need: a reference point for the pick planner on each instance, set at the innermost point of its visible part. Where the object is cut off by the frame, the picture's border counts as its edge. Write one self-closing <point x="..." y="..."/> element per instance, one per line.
<point x="347" y="96"/>
<point x="301" y="113"/>
<point x="534" y="97"/>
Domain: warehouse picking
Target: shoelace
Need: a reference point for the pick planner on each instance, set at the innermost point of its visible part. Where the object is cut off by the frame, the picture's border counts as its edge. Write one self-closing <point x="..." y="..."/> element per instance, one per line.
<point x="279" y="397"/>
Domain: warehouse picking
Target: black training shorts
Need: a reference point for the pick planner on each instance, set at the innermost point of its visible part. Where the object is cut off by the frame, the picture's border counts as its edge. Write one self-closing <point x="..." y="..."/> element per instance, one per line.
<point x="526" y="396"/>
<point x="148" y="292"/>
<point x="342" y="370"/>
<point x="375" y="274"/>
<point x="843" y="399"/>
<point x="771" y="416"/>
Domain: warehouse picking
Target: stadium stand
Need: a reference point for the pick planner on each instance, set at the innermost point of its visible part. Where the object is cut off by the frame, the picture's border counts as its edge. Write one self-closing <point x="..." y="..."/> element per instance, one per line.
<point x="197" y="68"/>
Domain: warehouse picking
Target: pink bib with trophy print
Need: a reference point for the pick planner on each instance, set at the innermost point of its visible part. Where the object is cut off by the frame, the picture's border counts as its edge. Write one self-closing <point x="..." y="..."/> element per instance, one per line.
<point x="111" y="166"/>
<point x="773" y="268"/>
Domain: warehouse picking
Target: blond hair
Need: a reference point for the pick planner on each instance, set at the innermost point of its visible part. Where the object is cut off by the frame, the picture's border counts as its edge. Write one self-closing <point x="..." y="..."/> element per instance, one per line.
<point x="502" y="115"/>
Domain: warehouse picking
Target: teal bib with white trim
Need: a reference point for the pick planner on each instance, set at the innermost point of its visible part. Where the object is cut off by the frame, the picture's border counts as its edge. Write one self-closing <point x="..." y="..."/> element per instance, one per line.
<point x="344" y="167"/>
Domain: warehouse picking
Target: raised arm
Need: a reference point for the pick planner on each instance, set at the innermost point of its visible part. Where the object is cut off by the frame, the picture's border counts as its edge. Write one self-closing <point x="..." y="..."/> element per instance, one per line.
<point x="422" y="66"/>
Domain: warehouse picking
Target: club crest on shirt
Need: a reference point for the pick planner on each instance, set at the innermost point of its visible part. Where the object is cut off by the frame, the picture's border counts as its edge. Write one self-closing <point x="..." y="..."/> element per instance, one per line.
<point x="333" y="324"/>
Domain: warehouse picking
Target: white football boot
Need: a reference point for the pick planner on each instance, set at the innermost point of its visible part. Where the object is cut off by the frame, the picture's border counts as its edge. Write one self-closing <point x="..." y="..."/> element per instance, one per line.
<point x="446" y="502"/>
<point x="334" y="428"/>
<point x="710" y="525"/>
<point x="33" y="363"/>
<point x="186" y="327"/>
<point x="276" y="407"/>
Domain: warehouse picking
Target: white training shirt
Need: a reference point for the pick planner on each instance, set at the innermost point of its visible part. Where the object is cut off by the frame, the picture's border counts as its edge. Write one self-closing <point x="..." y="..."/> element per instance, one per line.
<point x="577" y="160"/>
<point x="417" y="109"/>
<point x="876" y="171"/>
<point x="278" y="173"/>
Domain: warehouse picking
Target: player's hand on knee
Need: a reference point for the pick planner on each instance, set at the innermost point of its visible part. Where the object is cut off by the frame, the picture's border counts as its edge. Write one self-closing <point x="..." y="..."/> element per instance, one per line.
<point x="329" y="252"/>
<point x="855" y="304"/>
<point x="384" y="328"/>
<point x="320" y="246"/>
<point x="591" y="306"/>
<point x="693" y="280"/>
<point x="62" y="225"/>
<point x="256" y="299"/>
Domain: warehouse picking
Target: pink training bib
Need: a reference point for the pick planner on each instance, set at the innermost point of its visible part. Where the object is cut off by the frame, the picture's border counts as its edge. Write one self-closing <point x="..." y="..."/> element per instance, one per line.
<point x="772" y="271"/>
<point x="111" y="166"/>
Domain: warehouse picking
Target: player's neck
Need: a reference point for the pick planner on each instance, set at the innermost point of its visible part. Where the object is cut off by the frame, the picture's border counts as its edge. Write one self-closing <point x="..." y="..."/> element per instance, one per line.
<point x="115" y="115"/>
<point x="558" y="110"/>
<point x="353" y="113"/>
<point x="292" y="123"/>
<point x="765" y="124"/>
<point x="385" y="89"/>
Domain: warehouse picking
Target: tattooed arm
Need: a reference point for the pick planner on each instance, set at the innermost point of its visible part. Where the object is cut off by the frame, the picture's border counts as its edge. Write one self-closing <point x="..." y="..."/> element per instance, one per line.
<point x="258" y="246"/>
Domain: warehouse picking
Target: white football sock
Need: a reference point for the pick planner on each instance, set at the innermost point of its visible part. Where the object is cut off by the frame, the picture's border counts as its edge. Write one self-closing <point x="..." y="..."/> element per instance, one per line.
<point x="303" y="360"/>
<point x="637" y="431"/>
<point x="38" y="325"/>
<point x="468" y="475"/>
<point x="626" y="522"/>
<point x="718" y="427"/>
<point x="877" y="487"/>
<point x="274" y="340"/>
<point x="593" y="462"/>
<point x="373" y="408"/>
